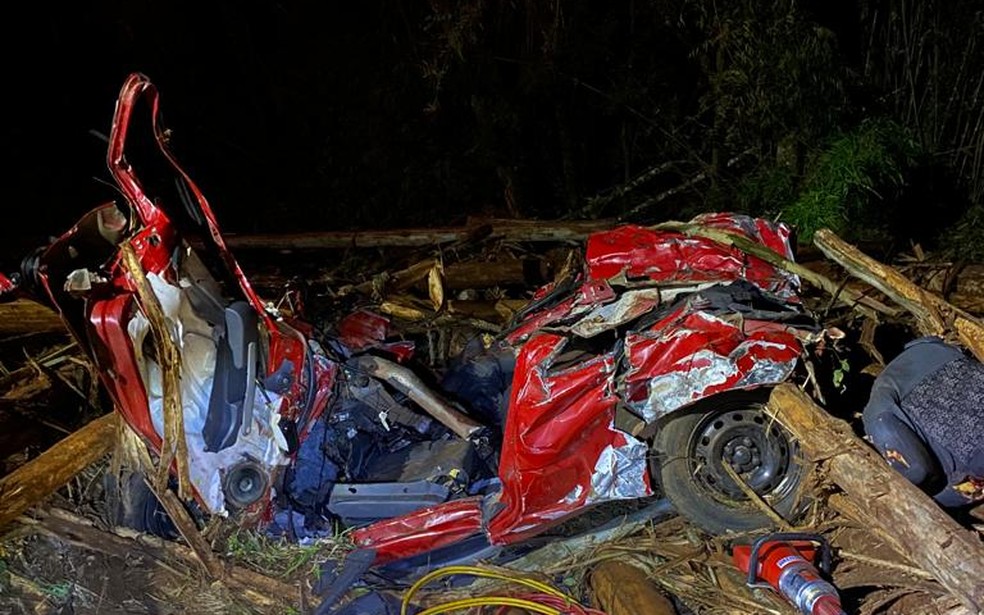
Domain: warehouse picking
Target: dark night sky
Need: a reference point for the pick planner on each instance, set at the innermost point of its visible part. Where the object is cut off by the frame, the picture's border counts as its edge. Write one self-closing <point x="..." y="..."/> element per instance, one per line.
<point x="255" y="93"/>
<point x="311" y="115"/>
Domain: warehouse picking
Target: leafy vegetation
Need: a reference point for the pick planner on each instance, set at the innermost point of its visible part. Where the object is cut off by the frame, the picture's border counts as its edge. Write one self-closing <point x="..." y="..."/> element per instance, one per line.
<point x="788" y="109"/>
<point x="853" y="181"/>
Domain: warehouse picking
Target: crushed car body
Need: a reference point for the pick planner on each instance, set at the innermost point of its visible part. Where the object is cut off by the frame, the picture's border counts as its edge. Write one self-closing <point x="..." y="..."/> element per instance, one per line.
<point x="654" y="332"/>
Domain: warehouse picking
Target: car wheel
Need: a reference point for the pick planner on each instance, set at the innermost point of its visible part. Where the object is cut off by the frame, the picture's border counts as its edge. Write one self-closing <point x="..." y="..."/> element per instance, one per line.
<point x="693" y="446"/>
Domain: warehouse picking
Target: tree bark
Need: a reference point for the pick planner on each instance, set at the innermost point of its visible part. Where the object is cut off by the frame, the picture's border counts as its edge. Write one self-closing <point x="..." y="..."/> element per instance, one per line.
<point x="953" y="555"/>
<point x="40" y="477"/>
<point x="934" y="316"/>
<point x="22" y="316"/>
<point x="508" y="230"/>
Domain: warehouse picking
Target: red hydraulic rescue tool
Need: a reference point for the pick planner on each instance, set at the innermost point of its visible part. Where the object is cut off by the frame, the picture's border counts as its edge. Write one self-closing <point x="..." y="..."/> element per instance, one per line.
<point x="785" y="562"/>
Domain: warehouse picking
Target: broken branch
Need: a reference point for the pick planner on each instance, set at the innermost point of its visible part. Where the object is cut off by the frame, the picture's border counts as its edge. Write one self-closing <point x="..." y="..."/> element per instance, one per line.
<point x="40" y="477"/>
<point x="933" y="315"/>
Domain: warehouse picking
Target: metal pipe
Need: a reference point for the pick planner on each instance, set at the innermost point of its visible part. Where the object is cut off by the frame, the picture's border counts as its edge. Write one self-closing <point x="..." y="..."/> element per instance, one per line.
<point x="408" y="383"/>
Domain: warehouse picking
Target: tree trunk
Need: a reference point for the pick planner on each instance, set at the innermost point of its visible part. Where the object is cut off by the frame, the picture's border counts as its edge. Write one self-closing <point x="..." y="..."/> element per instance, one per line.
<point x="901" y="512"/>
<point x="507" y="230"/>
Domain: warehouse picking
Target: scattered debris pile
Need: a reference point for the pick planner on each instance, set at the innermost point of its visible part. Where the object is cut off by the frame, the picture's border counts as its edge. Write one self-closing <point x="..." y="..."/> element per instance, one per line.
<point x="506" y="415"/>
<point x="894" y="550"/>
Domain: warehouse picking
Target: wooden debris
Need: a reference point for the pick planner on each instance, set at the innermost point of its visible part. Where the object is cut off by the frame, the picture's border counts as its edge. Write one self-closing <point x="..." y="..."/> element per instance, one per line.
<point x="40" y="477"/>
<point x="189" y="531"/>
<point x="623" y="589"/>
<point x="259" y="589"/>
<point x="503" y="229"/>
<point x="21" y="378"/>
<point x="525" y="272"/>
<point x="24" y="316"/>
<point x="907" y="517"/>
<point x="934" y="316"/>
<point x="174" y="448"/>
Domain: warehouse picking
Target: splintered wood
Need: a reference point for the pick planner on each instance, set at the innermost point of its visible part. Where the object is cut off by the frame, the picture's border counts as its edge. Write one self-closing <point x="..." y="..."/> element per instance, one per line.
<point x="934" y="316"/>
<point x="886" y="501"/>
<point x="42" y="476"/>
<point x="174" y="448"/>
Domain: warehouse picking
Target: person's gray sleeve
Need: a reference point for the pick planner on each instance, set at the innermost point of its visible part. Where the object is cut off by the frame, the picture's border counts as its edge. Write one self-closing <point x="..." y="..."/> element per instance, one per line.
<point x="904" y="450"/>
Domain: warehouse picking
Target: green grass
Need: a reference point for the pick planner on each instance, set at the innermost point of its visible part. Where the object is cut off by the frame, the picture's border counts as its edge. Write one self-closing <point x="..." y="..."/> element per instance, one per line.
<point x="281" y="558"/>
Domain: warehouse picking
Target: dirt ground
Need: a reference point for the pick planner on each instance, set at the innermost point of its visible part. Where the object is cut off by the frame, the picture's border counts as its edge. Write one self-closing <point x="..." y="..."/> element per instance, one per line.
<point x="55" y="563"/>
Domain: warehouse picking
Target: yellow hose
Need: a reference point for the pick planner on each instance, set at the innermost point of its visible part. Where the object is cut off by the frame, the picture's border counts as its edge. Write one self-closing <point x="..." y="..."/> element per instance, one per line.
<point x="466" y="603"/>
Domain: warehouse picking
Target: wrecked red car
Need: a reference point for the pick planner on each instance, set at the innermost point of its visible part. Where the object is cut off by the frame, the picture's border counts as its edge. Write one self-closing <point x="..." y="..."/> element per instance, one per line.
<point x="639" y="373"/>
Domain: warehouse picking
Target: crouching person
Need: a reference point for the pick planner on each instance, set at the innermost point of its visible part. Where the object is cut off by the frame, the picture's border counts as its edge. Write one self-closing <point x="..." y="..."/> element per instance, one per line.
<point x="926" y="417"/>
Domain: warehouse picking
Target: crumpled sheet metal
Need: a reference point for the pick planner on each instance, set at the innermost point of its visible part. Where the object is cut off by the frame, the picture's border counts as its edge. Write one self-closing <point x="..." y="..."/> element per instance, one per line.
<point x="264" y="443"/>
<point x="631" y="305"/>
<point x="617" y="471"/>
<point x="421" y="531"/>
<point x="542" y="319"/>
<point x="558" y="439"/>
<point x="667" y="257"/>
<point x="692" y="355"/>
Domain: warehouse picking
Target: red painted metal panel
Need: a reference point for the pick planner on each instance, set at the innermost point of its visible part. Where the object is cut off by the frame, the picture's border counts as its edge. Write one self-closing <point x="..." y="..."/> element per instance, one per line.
<point x="118" y="367"/>
<point x="559" y="426"/>
<point x="421" y="531"/>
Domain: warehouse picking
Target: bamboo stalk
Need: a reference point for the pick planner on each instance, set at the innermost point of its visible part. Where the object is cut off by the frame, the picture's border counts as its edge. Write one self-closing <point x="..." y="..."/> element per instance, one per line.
<point x="933" y="315"/>
<point x="174" y="448"/>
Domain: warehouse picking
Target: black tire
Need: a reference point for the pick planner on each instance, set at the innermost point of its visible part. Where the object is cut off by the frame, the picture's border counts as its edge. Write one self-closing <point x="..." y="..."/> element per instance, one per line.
<point x="690" y="450"/>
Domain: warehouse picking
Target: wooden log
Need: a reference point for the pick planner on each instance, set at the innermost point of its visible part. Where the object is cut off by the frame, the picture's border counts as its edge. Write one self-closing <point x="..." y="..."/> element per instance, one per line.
<point x="619" y="588"/>
<point x="500" y="311"/>
<point x="529" y="272"/>
<point x="260" y="589"/>
<point x="40" y="477"/>
<point x="503" y="229"/>
<point x="501" y="272"/>
<point x="22" y="316"/>
<point x="933" y="315"/>
<point x="953" y="555"/>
